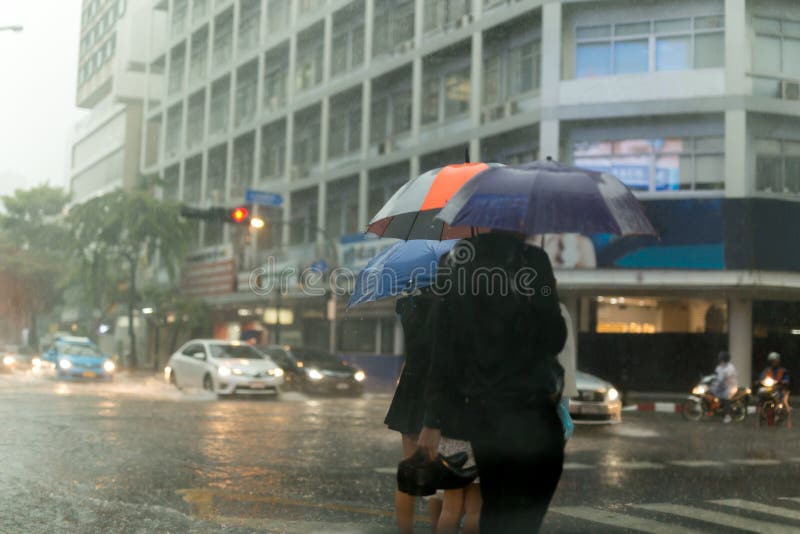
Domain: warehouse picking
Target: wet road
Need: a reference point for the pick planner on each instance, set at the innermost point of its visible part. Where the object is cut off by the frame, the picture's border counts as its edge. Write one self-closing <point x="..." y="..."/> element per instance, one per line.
<point x="139" y="456"/>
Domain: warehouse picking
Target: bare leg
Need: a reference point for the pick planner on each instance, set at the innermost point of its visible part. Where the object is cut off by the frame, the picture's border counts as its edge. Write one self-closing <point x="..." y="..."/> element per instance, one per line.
<point x="452" y="510"/>
<point x="404" y="503"/>
<point x="435" y="511"/>
<point x="472" y="509"/>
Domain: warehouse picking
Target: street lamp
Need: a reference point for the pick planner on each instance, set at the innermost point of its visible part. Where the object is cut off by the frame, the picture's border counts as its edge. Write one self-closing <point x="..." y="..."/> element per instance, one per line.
<point x="15" y="28"/>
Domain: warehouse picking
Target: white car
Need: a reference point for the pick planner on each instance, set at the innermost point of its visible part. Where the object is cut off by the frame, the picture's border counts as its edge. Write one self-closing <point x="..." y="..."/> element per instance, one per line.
<point x="597" y="401"/>
<point x="223" y="367"/>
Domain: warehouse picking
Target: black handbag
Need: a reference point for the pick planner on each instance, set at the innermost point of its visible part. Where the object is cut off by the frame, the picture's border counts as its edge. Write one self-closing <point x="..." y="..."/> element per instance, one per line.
<point x="419" y="476"/>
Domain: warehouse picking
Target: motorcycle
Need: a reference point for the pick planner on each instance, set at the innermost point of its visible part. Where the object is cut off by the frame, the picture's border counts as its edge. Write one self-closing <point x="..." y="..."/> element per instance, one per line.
<point x="702" y="403"/>
<point x="772" y="409"/>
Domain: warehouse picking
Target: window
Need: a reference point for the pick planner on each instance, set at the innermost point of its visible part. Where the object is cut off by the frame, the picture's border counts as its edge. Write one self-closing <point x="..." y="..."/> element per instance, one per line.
<point x="199" y="9"/>
<point x="445" y="87"/>
<point x="348" y="39"/>
<point x="278" y="16"/>
<point x="382" y="184"/>
<point x="341" y="211"/>
<point x="215" y="181"/>
<point x="511" y="148"/>
<point x="777" y="165"/>
<point x="173" y="138"/>
<point x="193" y="180"/>
<point x="195" y="119"/>
<point x="273" y="150"/>
<point x="391" y="106"/>
<point x="445" y="13"/>
<point x="309" y="58"/>
<point x="303" y="226"/>
<point x="777" y="47"/>
<point x="177" y="67"/>
<point x="223" y="39"/>
<point x="276" y="76"/>
<point x="246" y="93"/>
<point x="393" y="26"/>
<point x="658" y="164"/>
<point x="306" y="141"/>
<point x="664" y="44"/>
<point x="243" y="161"/>
<point x="511" y="64"/>
<point x="307" y="6"/>
<point x="220" y="104"/>
<point x="345" y="124"/>
<point x="172" y="183"/>
<point x="180" y="9"/>
<point x="249" y="24"/>
<point x="199" y="60"/>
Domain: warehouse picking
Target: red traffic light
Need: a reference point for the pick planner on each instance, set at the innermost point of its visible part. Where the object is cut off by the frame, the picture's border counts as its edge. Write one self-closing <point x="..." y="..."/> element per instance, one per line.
<point x="239" y="215"/>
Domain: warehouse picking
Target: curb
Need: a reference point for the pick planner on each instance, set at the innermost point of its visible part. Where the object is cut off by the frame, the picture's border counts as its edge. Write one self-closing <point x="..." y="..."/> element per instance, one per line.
<point x="664" y="407"/>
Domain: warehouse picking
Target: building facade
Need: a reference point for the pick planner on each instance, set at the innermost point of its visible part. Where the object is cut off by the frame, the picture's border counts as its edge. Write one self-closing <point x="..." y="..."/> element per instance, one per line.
<point x="334" y="104"/>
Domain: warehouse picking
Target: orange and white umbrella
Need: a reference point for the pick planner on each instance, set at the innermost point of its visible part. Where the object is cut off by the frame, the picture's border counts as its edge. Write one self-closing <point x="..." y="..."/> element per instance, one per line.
<point x="411" y="212"/>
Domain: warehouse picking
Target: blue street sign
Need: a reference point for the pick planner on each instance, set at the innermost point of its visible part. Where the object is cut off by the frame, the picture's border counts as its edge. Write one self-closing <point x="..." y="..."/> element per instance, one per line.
<point x="263" y="198"/>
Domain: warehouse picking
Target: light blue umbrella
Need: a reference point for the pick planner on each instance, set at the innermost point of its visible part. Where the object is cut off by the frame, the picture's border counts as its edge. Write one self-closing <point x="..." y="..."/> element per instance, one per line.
<point x="405" y="266"/>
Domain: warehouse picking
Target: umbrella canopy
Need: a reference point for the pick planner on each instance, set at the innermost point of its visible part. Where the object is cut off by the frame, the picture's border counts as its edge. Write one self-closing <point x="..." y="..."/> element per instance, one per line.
<point x="545" y="197"/>
<point x="405" y="266"/>
<point x="411" y="212"/>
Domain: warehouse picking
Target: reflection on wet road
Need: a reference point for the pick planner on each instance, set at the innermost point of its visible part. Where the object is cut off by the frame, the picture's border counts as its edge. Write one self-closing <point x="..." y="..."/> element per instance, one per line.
<point x="139" y="455"/>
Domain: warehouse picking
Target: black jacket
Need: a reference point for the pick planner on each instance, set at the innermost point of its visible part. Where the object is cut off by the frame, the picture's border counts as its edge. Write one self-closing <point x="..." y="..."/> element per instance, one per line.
<point x="498" y="330"/>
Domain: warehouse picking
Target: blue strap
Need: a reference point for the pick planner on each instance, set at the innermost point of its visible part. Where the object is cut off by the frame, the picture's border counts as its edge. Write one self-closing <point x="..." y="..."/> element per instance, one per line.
<point x="566" y="421"/>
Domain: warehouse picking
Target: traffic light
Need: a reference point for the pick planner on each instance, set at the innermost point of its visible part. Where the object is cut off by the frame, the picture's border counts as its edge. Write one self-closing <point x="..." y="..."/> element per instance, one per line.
<point x="237" y="215"/>
<point x="240" y="215"/>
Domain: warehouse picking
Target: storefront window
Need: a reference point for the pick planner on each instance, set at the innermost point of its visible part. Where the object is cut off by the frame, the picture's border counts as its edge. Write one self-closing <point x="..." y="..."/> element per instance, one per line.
<point x="648" y="315"/>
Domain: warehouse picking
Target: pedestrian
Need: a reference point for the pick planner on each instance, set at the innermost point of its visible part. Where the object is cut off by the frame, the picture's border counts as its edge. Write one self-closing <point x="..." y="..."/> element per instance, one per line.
<point x="725" y="383"/>
<point x="494" y="374"/>
<point x="407" y="408"/>
<point x="779" y="375"/>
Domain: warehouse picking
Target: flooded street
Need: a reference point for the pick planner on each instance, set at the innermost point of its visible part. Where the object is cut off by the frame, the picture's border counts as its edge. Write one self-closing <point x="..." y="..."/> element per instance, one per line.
<point x="138" y="455"/>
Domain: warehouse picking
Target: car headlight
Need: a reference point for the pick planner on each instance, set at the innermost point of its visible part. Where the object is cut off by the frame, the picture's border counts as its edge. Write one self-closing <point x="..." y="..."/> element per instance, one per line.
<point x="167" y="372"/>
<point x="360" y="376"/>
<point x="8" y="360"/>
<point x="36" y="362"/>
<point x="612" y="394"/>
<point x="313" y="374"/>
<point x="64" y="364"/>
<point x="275" y="372"/>
<point x="108" y="366"/>
<point x="224" y="371"/>
<point x="700" y="390"/>
<point x="237" y="371"/>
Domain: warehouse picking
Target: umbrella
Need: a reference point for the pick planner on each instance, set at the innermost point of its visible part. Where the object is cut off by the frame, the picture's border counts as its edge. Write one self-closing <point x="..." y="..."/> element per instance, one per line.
<point x="546" y="197"/>
<point x="405" y="266"/>
<point x="411" y="212"/>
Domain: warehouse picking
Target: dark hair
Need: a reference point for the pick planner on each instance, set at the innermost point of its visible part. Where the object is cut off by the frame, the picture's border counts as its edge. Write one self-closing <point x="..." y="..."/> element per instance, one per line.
<point x="724" y="356"/>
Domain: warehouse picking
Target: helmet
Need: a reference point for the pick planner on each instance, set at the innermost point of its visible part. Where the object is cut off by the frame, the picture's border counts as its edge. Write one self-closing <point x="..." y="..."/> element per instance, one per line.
<point x="774" y="358"/>
<point x="724" y="356"/>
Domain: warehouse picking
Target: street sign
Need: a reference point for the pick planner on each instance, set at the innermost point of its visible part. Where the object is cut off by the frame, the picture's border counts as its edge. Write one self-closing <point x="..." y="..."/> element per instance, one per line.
<point x="263" y="198"/>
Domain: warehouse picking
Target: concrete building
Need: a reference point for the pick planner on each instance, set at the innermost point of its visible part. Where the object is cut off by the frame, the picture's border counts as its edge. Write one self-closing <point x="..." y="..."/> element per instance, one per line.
<point x="333" y="104"/>
<point x="111" y="81"/>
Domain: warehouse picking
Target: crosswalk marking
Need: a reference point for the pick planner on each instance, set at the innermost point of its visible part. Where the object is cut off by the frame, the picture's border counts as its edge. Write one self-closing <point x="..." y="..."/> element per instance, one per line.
<point x="634" y="465"/>
<point x="719" y="518"/>
<point x="575" y="465"/>
<point x="756" y="462"/>
<point x="697" y="463"/>
<point x="613" y="519"/>
<point x="795" y="499"/>
<point x="758" y="507"/>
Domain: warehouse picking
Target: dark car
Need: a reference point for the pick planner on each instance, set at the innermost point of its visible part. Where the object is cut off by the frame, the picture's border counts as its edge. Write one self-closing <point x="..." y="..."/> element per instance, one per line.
<point x="315" y="371"/>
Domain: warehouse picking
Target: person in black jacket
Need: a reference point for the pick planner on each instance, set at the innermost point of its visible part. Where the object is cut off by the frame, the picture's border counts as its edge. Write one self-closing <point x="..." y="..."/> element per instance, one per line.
<point x="407" y="409"/>
<point x="494" y="377"/>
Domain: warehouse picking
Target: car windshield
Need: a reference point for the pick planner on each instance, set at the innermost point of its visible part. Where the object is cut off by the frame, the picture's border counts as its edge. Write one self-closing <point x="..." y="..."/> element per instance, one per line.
<point x="314" y="356"/>
<point x="244" y="352"/>
<point x="68" y="349"/>
<point x="279" y="356"/>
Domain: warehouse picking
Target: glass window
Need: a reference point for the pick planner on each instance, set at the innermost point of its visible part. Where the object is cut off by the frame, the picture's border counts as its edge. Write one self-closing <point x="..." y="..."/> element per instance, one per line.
<point x="215" y="181"/>
<point x="768" y="54"/>
<point x="672" y="53"/>
<point x="273" y="150"/>
<point x="246" y="93"/>
<point x="638" y="28"/>
<point x="199" y="59"/>
<point x="593" y="32"/>
<point x="195" y="120"/>
<point x="631" y="56"/>
<point x="765" y="25"/>
<point x="223" y="39"/>
<point x="791" y="57"/>
<point x="457" y="93"/>
<point x="593" y="59"/>
<point x="673" y="26"/>
<point x="709" y="50"/>
<point x="278" y="15"/>
<point x="249" y="23"/>
<point x="220" y="104"/>
<point x="193" y="180"/>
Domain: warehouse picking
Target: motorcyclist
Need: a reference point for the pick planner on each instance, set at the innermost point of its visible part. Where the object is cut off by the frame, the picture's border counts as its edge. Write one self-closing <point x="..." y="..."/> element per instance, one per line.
<point x="725" y="383"/>
<point x="780" y="375"/>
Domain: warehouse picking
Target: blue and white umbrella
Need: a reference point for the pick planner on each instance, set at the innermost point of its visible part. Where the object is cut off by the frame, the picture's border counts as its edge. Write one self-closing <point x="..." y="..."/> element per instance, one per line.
<point x="406" y="266"/>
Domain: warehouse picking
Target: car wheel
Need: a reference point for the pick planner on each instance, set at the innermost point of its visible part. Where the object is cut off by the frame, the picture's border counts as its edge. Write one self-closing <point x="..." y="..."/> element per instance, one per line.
<point x="208" y="383"/>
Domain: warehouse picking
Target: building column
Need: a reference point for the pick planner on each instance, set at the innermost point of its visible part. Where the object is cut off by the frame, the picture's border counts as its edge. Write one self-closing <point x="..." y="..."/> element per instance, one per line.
<point x="737" y="48"/>
<point x="476" y="83"/>
<point x="736" y="160"/>
<point x="740" y="338"/>
<point x="549" y="126"/>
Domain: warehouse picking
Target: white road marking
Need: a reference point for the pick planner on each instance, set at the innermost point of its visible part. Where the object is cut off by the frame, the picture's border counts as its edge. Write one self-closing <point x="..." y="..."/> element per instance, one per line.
<point x="634" y="465"/>
<point x="718" y="518"/>
<point x="758" y="462"/>
<point x="761" y="508"/>
<point x="697" y="463"/>
<point x="795" y="499"/>
<point x="575" y="465"/>
<point x="614" y="519"/>
<point x="386" y="470"/>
